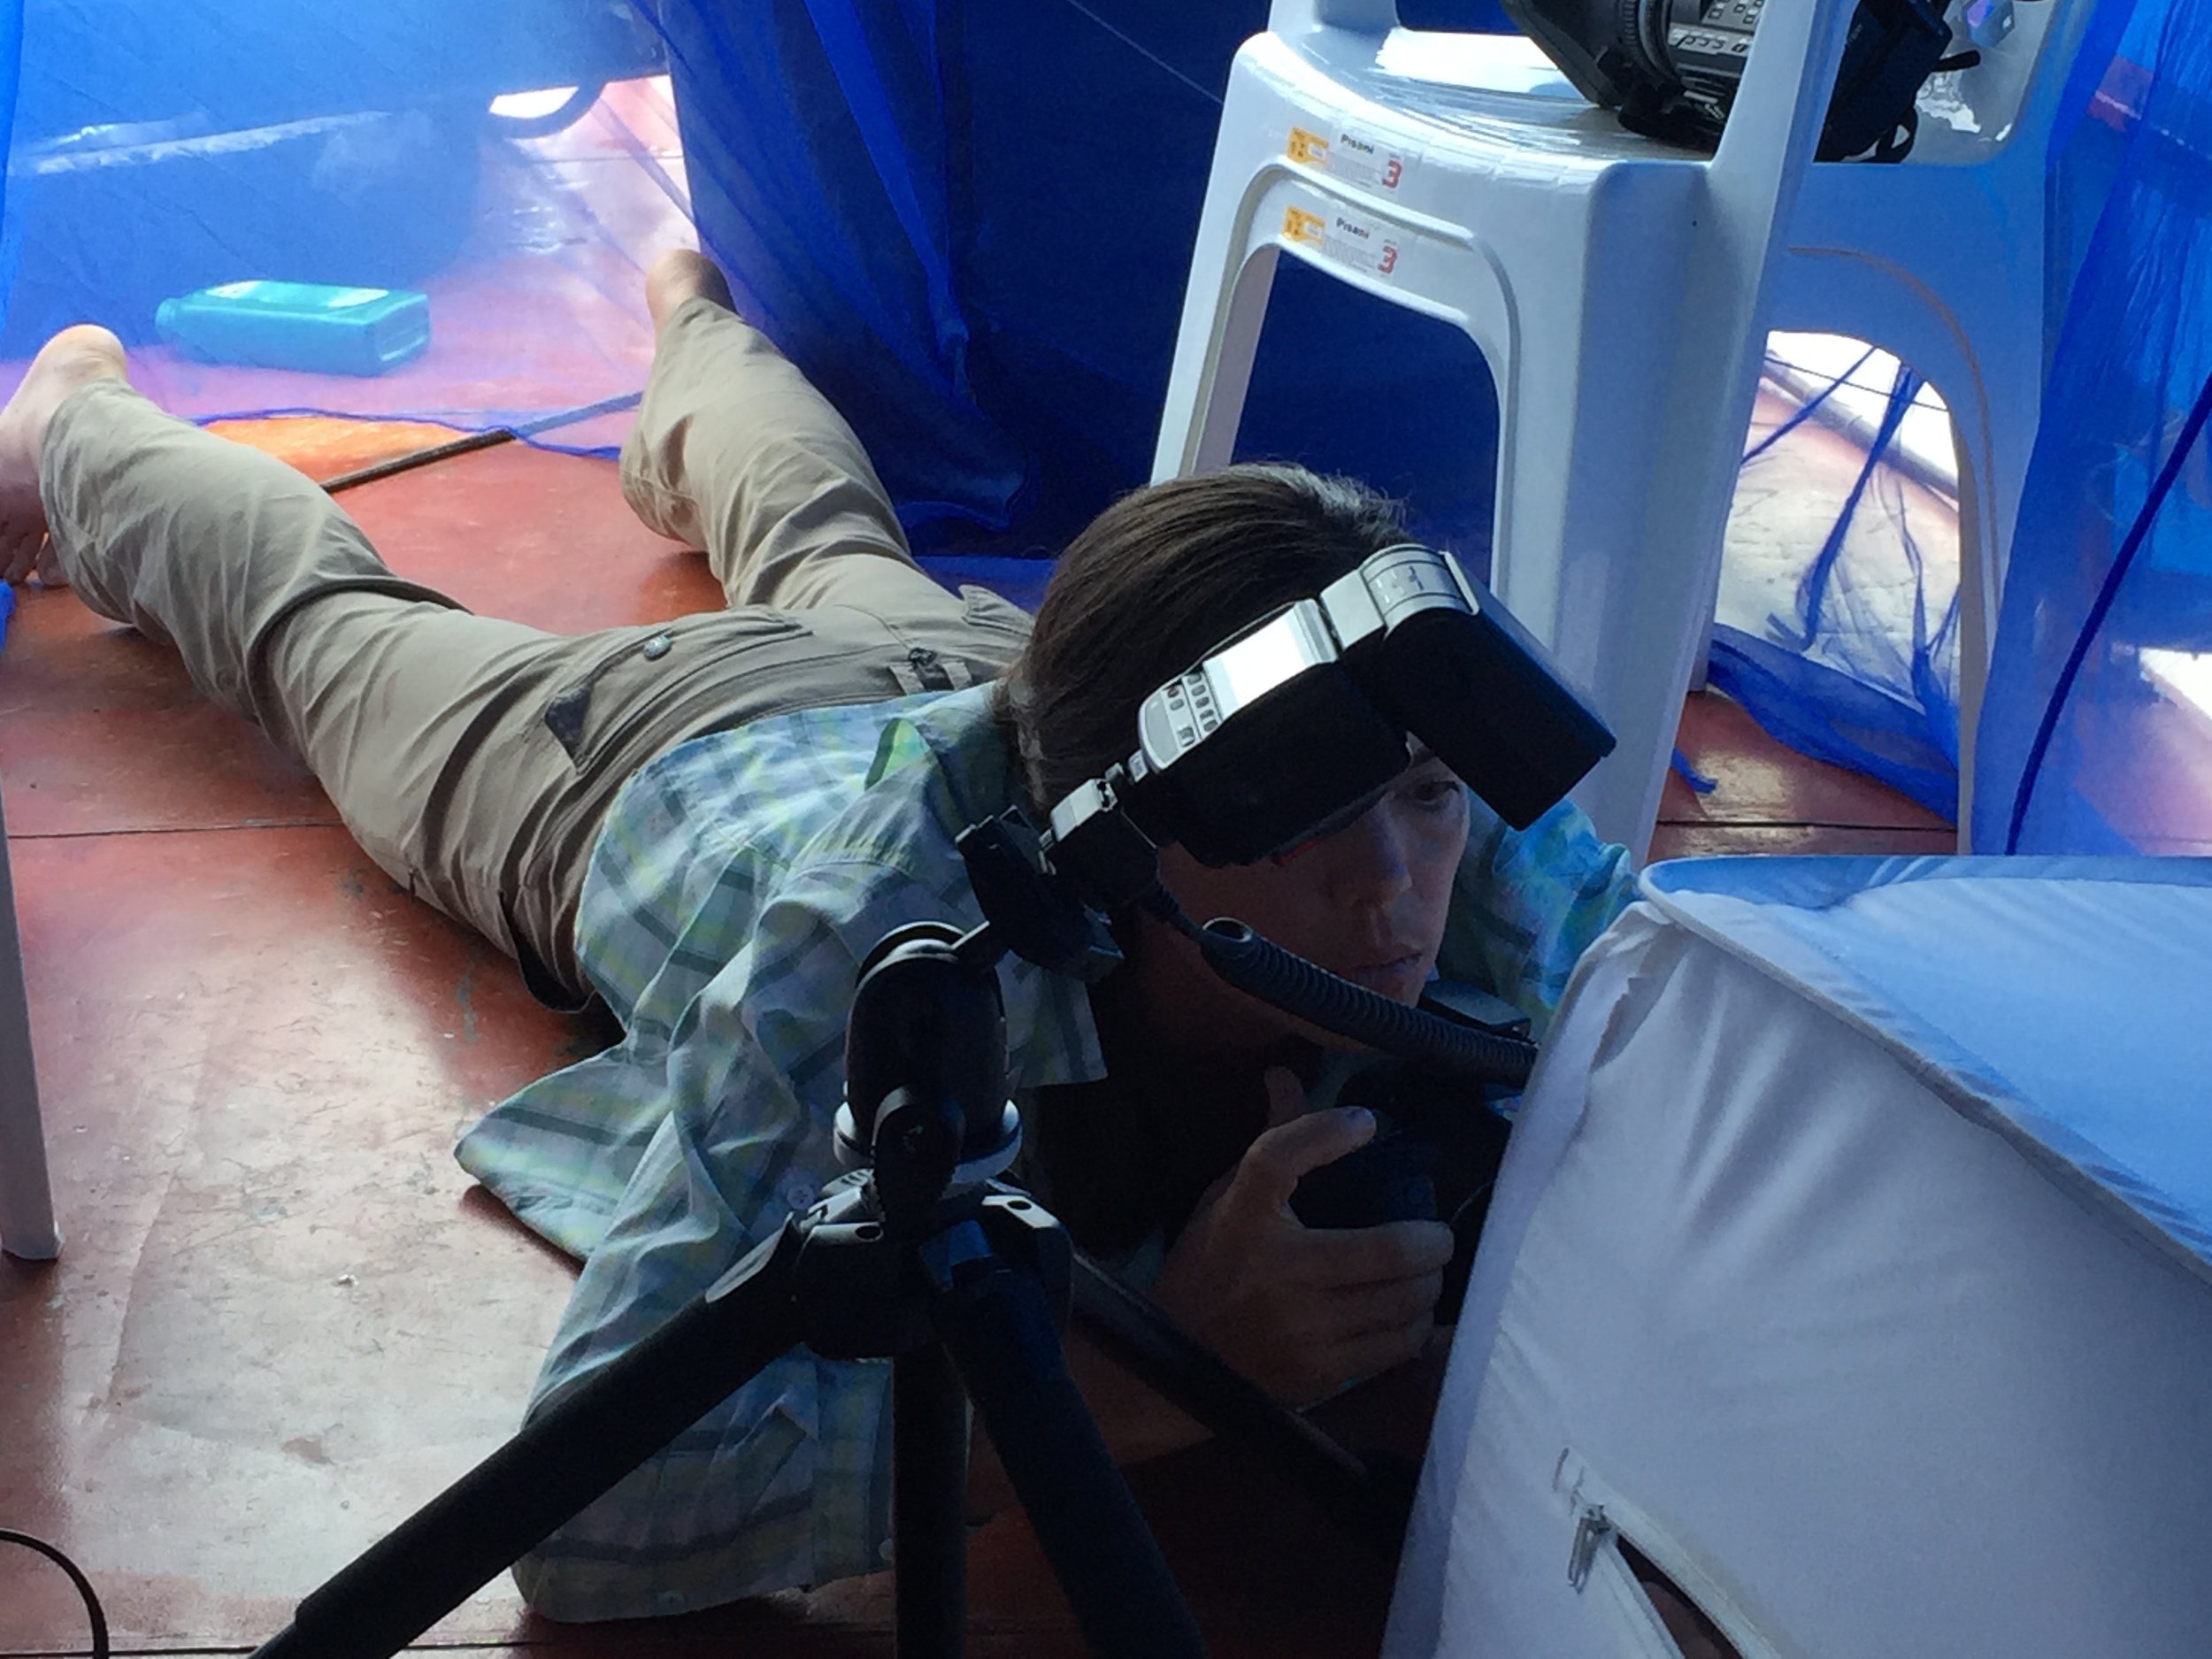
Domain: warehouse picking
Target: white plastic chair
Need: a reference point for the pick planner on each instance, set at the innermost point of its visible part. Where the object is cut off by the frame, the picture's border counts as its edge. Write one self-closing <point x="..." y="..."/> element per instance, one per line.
<point x="1943" y="261"/>
<point x="26" y="1199"/>
<point x="1621" y="291"/>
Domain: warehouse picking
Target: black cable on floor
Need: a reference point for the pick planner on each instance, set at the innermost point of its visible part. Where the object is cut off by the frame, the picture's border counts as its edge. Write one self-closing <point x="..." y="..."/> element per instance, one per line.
<point x="93" y="1612"/>
<point x="474" y="440"/>
<point x="419" y="458"/>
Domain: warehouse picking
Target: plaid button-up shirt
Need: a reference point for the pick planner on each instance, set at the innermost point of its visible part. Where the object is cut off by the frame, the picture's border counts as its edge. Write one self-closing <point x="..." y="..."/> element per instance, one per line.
<point x="737" y="885"/>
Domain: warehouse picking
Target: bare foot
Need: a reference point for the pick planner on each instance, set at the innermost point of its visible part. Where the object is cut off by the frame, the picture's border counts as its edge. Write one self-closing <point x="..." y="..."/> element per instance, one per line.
<point x="681" y="274"/>
<point x="67" y="361"/>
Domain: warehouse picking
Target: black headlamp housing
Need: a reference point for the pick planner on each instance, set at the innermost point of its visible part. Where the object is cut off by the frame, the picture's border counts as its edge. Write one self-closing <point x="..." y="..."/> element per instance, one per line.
<point x="1296" y="726"/>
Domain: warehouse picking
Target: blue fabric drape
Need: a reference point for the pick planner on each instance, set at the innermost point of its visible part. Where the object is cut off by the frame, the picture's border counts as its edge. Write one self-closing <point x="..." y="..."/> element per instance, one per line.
<point x="1858" y="666"/>
<point x="2097" y="735"/>
<point x="11" y="75"/>
<point x="970" y="222"/>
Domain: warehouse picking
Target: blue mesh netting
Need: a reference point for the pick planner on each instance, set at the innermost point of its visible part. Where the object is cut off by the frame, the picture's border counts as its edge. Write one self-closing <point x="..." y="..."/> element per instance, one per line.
<point x="2098" y="733"/>
<point x="1837" y="621"/>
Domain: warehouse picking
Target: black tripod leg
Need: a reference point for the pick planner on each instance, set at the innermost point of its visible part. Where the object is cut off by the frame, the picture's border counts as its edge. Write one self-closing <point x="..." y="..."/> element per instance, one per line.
<point x="929" y="1508"/>
<point x="1134" y="1333"/>
<point x="433" y="1561"/>
<point x="998" y="1328"/>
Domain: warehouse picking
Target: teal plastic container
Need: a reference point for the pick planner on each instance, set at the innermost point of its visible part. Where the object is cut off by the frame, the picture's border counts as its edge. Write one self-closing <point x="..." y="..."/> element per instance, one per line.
<point x="313" y="326"/>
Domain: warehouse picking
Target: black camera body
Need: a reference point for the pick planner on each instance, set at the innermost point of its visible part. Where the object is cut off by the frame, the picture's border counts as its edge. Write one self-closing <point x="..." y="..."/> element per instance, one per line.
<point x="1434" y="1156"/>
<point x="1670" y="68"/>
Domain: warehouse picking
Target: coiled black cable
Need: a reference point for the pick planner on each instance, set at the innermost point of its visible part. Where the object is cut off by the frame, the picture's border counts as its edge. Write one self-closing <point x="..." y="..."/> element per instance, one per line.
<point x="1259" y="967"/>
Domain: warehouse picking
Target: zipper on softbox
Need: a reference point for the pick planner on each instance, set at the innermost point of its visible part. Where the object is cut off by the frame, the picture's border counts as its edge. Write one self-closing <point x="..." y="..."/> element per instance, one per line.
<point x="1607" y="1526"/>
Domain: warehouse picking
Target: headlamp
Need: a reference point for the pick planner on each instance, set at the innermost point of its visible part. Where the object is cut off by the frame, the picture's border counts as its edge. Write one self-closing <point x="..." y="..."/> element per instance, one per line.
<point x="1277" y="736"/>
<point x="1296" y="726"/>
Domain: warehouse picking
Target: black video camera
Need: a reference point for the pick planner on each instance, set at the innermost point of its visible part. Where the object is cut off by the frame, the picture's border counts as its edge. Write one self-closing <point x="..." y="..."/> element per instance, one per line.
<point x="1430" y="1158"/>
<point x="1670" y="68"/>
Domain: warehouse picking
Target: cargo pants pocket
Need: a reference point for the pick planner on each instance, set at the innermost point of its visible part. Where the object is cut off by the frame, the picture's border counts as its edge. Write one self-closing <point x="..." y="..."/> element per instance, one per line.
<point x="639" y="677"/>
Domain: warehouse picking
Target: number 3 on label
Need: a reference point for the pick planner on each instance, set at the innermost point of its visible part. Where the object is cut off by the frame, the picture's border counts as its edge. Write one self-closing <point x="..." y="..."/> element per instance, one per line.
<point x="1394" y="170"/>
<point x="1384" y="265"/>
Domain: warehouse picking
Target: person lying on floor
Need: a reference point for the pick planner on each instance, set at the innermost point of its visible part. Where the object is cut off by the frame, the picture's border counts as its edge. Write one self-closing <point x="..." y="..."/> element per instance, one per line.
<point x="707" y="824"/>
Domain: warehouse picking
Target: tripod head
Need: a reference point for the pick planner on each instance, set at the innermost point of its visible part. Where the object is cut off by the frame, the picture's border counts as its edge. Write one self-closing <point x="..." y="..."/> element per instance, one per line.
<point x="926" y="1105"/>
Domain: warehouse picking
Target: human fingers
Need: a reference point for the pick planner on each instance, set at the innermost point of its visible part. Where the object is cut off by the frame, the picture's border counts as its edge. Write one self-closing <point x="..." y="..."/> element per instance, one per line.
<point x="1349" y="1257"/>
<point x="1279" y="1157"/>
<point x="1286" y="1095"/>
<point x="1375" y="1351"/>
<point x="1388" y="1306"/>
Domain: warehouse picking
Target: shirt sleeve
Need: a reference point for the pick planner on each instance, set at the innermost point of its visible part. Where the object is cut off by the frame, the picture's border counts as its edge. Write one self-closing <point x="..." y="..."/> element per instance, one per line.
<point x="786" y="1482"/>
<point x="1527" y="905"/>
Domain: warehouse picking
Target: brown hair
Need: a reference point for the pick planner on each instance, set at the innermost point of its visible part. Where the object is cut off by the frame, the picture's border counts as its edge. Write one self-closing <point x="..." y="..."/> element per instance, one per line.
<point x="1156" y="581"/>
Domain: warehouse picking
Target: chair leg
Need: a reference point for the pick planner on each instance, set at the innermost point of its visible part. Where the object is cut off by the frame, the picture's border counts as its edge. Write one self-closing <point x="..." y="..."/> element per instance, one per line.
<point x="1653" y="641"/>
<point x="1984" y="390"/>
<point x="26" y="1199"/>
<point x="1609" y="532"/>
<point x="1213" y="350"/>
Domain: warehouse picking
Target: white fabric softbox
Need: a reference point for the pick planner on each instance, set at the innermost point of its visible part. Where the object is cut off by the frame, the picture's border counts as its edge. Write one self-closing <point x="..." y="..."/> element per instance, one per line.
<point x="1853" y="1261"/>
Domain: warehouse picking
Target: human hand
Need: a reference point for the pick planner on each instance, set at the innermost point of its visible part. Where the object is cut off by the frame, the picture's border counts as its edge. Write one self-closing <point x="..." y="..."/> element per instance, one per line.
<point x="1301" y="1311"/>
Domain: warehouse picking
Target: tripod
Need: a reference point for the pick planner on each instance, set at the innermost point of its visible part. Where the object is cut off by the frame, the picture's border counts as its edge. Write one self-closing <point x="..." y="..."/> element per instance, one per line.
<point x="917" y="1256"/>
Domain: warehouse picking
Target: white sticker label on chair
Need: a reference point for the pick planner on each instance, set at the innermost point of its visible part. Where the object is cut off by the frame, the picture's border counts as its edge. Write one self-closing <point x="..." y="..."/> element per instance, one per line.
<point x="1352" y="157"/>
<point x="1343" y="237"/>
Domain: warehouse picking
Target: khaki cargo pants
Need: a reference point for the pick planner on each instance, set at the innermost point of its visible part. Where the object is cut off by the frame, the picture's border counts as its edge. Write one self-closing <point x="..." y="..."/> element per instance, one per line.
<point x="474" y="759"/>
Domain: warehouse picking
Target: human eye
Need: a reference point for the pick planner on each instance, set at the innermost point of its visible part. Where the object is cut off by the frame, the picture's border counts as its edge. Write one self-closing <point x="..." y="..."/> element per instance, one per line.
<point x="1435" y="791"/>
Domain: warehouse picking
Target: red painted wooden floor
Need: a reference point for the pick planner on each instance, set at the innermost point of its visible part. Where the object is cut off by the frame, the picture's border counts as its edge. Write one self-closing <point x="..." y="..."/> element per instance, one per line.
<point x="282" y="1318"/>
